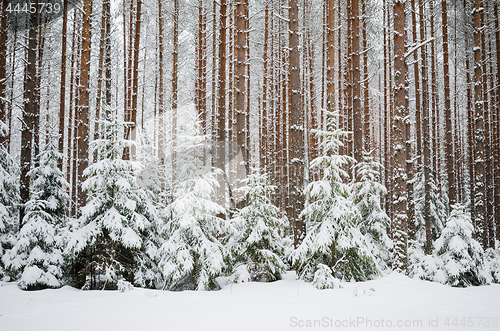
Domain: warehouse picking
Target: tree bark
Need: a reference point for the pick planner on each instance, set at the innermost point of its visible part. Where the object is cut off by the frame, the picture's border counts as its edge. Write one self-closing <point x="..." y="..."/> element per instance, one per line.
<point x="400" y="215"/>
<point x="30" y="111"/>
<point x="452" y="189"/>
<point x="297" y="152"/>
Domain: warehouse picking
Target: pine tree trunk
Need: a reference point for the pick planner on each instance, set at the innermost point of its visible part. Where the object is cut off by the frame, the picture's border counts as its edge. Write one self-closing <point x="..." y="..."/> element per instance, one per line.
<point x="416" y="74"/>
<point x="479" y="190"/>
<point x="30" y="111"/>
<point x="356" y="85"/>
<point x="426" y="135"/>
<point x="264" y="147"/>
<point x="4" y="137"/>
<point x="83" y="102"/>
<point x="175" y="78"/>
<point x="161" y="91"/>
<point x="436" y="117"/>
<point x="452" y="189"/>
<point x="135" y="76"/>
<point x="366" y="85"/>
<point x="297" y="152"/>
<point x="62" y="92"/>
<point x="400" y="216"/>
<point x="239" y="74"/>
<point x="330" y="53"/>
<point x="496" y="142"/>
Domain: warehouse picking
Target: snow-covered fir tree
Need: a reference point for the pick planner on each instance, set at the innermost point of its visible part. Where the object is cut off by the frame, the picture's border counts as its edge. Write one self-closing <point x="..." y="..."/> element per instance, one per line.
<point x="367" y="193"/>
<point x="491" y="265"/>
<point x="192" y="255"/>
<point x="333" y="234"/>
<point x="256" y="241"/>
<point x="458" y="253"/>
<point x="9" y="196"/>
<point x="38" y="254"/>
<point x="115" y="239"/>
<point x="324" y="279"/>
<point x="437" y="209"/>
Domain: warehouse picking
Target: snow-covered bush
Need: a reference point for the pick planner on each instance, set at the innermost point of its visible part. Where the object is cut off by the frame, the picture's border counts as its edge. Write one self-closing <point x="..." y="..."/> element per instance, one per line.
<point x="459" y="252"/>
<point x="192" y="255"/>
<point x="116" y="235"/>
<point x="256" y="240"/>
<point x="424" y="266"/>
<point x="9" y="196"/>
<point x="491" y="265"/>
<point x="323" y="278"/>
<point x="37" y="255"/>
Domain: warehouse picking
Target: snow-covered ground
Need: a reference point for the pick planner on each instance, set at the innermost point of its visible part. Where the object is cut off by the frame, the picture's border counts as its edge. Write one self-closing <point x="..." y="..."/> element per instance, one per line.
<point x="391" y="302"/>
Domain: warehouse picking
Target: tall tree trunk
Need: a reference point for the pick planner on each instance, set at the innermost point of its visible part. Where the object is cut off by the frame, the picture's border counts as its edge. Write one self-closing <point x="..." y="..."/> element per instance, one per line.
<point x="161" y="91"/>
<point x="4" y="136"/>
<point x="356" y="85"/>
<point x="426" y="135"/>
<point x="175" y="79"/>
<point x="452" y="189"/>
<point x="62" y="93"/>
<point x="400" y="214"/>
<point x="30" y="111"/>
<point x="330" y="53"/>
<point x="479" y="190"/>
<point x="366" y="84"/>
<point x="496" y="142"/>
<point x="239" y="73"/>
<point x="83" y="102"/>
<point x="436" y="117"/>
<point x="297" y="152"/>
<point x="416" y="75"/>
<point x="264" y="139"/>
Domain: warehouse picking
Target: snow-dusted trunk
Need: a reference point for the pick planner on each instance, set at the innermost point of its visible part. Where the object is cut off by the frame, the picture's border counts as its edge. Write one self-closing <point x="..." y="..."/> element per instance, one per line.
<point x="239" y="73"/>
<point x="496" y="135"/>
<point x="448" y="137"/>
<point x="161" y="89"/>
<point x="400" y="197"/>
<point x="387" y="117"/>
<point x="426" y="134"/>
<point x="488" y="126"/>
<point x="264" y="139"/>
<point x="175" y="89"/>
<point x="330" y="54"/>
<point x="435" y="118"/>
<point x="356" y="85"/>
<point x="3" y="67"/>
<point x="478" y="189"/>
<point x="83" y="101"/>
<point x="416" y="76"/>
<point x="201" y="55"/>
<point x="62" y="91"/>
<point x="297" y="151"/>
<point x="366" y="82"/>
<point x="30" y="111"/>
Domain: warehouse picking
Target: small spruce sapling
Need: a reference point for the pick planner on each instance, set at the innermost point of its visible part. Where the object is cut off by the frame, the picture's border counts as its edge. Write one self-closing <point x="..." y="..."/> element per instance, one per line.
<point x="115" y="236"/>
<point x="37" y="255"/>
<point x="192" y="255"/>
<point x="256" y="241"/>
<point x="330" y="211"/>
<point x="9" y="197"/>
<point x="458" y="252"/>
<point x="373" y="222"/>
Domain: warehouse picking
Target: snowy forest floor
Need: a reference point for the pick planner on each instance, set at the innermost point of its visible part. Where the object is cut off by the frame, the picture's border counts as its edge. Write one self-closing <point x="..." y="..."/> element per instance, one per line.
<point x="288" y="304"/>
